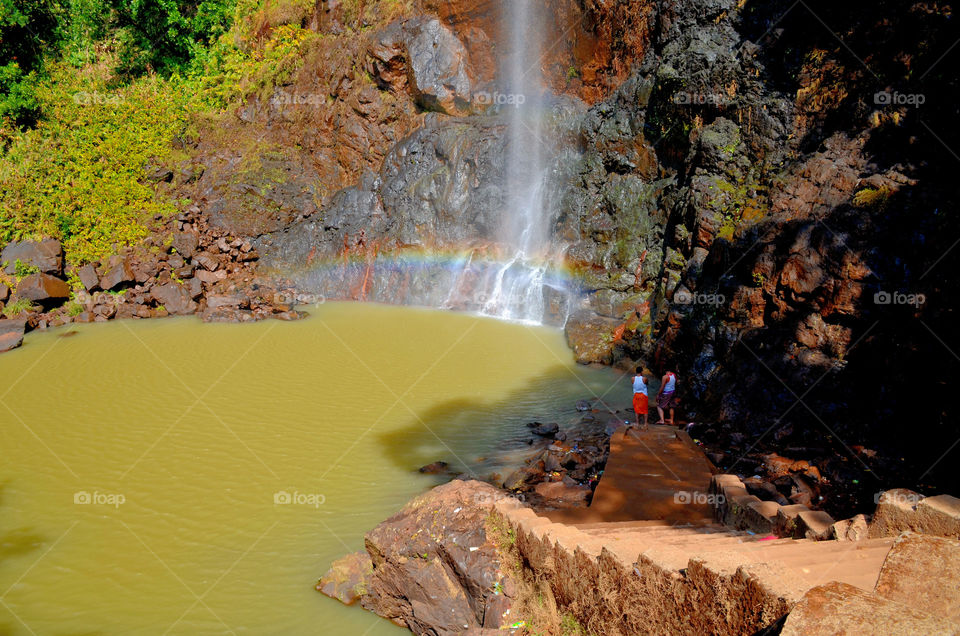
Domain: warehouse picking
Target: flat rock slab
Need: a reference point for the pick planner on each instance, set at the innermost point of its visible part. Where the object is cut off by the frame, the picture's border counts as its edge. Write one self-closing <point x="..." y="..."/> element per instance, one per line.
<point x="650" y="474"/>
<point x="923" y="572"/>
<point x="839" y="608"/>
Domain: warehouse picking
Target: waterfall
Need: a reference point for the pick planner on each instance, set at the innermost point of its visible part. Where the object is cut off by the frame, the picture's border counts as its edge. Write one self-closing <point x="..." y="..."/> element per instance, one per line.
<point x="515" y="288"/>
<point x="502" y="260"/>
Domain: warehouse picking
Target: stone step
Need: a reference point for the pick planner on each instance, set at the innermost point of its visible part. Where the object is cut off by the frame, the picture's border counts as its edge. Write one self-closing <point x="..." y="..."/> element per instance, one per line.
<point x="810" y="548"/>
<point x="656" y="530"/>
<point x="655" y="523"/>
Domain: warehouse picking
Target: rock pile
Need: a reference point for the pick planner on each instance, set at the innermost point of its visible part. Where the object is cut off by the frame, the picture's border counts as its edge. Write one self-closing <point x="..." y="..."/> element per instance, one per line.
<point x="187" y="267"/>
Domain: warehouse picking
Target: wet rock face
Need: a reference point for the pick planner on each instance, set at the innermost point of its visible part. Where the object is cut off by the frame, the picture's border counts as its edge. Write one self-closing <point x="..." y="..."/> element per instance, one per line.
<point x="439" y="186"/>
<point x="433" y="567"/>
<point x="439" y="73"/>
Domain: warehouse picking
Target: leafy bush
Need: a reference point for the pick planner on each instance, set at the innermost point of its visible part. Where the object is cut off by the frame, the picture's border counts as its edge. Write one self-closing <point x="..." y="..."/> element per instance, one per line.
<point x="77" y="176"/>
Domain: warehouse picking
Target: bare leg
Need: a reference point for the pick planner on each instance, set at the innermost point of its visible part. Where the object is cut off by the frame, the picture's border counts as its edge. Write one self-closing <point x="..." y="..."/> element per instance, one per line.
<point x="644" y="421"/>
<point x="671" y="417"/>
<point x="660" y="412"/>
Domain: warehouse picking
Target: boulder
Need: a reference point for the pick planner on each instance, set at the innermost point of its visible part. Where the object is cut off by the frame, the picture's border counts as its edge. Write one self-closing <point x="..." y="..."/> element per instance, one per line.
<point x="435" y="468"/>
<point x="590" y="337"/>
<point x="923" y="572"/>
<point x="11" y="334"/>
<point x="563" y="494"/>
<point x="118" y="272"/>
<point x="4" y="292"/>
<point x="207" y="261"/>
<point x="88" y="276"/>
<point x="209" y="277"/>
<point x="840" y="608"/>
<point x="174" y="298"/>
<point x="438" y="67"/>
<point x="896" y="511"/>
<point x="436" y="565"/>
<point x="854" y="529"/>
<point x="545" y="430"/>
<point x="43" y="288"/>
<point x="185" y="243"/>
<point x="46" y="255"/>
<point x="216" y="301"/>
<point x="348" y="578"/>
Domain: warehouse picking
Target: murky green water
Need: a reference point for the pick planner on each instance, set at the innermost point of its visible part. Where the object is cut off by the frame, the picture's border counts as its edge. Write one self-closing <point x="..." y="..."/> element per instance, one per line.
<point x="146" y="467"/>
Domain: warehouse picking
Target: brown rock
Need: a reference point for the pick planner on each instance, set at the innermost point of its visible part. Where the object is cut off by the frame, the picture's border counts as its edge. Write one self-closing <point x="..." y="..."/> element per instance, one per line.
<point x="895" y="512"/>
<point x="46" y="255"/>
<point x="174" y="298"/>
<point x="562" y="495"/>
<point x="590" y="337"/>
<point x="348" y="578"/>
<point x="207" y="261"/>
<point x="88" y="276"/>
<point x="43" y="288"/>
<point x="118" y="272"/>
<point x="839" y="608"/>
<point x="923" y="572"/>
<point x="854" y="529"/>
<point x="185" y="243"/>
<point x="435" y="567"/>
<point x="216" y="301"/>
<point x="11" y="334"/>
<point x="4" y="292"/>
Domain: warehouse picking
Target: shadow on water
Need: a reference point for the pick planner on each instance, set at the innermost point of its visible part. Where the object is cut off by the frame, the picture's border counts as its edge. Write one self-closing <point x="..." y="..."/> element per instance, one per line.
<point x="480" y="436"/>
<point x="15" y="543"/>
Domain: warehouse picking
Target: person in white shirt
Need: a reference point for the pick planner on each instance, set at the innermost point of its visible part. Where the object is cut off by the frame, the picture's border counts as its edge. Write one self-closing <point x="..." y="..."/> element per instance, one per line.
<point x="641" y="401"/>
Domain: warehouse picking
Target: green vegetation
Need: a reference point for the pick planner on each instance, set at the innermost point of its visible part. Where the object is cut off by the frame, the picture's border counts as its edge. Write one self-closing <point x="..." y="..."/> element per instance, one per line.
<point x="21" y="305"/>
<point x="96" y="93"/>
<point x="875" y="198"/>
<point x="570" y="626"/>
<point x="77" y="176"/>
<point x="22" y="270"/>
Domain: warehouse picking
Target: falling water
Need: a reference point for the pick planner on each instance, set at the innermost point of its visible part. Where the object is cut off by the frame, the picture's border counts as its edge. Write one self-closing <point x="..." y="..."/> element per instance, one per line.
<point x="515" y="289"/>
<point x="516" y="273"/>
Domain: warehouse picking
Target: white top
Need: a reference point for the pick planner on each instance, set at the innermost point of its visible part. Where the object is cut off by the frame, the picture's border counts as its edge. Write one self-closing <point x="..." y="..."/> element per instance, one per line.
<point x="671" y="383"/>
<point x="639" y="386"/>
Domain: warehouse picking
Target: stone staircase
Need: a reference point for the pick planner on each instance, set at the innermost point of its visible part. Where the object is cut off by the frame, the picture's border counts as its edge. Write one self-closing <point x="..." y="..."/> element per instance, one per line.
<point x="685" y="573"/>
